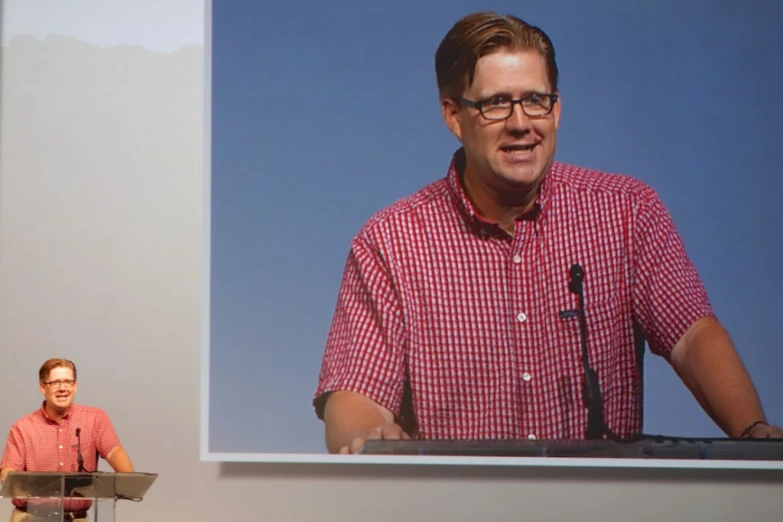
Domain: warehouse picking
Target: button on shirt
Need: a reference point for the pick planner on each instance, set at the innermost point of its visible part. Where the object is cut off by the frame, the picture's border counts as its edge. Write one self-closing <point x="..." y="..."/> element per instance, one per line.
<point x="457" y="327"/>
<point x="39" y="443"/>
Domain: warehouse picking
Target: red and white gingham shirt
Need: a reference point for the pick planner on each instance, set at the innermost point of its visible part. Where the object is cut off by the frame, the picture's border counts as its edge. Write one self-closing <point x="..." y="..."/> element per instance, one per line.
<point x="39" y="443"/>
<point x="455" y="326"/>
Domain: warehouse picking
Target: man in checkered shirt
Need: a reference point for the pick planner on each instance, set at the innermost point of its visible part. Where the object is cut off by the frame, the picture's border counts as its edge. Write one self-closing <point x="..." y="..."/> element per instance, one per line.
<point x="61" y="436"/>
<point x="455" y="318"/>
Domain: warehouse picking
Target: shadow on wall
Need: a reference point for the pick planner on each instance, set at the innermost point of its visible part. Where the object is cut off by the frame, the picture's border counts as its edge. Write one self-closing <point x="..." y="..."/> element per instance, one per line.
<point x="234" y="470"/>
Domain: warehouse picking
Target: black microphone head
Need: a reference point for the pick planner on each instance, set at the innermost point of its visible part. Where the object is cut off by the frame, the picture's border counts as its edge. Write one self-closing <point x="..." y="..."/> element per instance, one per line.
<point x="78" y="431"/>
<point x="577" y="274"/>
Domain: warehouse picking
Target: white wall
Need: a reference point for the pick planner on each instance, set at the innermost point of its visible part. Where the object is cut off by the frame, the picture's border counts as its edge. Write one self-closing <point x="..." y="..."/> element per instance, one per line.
<point x="101" y="218"/>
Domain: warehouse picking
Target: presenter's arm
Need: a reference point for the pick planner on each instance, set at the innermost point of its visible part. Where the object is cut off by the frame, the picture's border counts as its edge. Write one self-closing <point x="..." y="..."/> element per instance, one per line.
<point x="4" y="473"/>
<point x="709" y="365"/>
<point x="352" y="419"/>
<point x="119" y="461"/>
<point x="14" y="455"/>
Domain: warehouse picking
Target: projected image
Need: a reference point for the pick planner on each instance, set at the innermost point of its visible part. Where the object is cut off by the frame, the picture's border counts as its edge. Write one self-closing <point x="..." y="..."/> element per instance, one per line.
<point x="324" y="114"/>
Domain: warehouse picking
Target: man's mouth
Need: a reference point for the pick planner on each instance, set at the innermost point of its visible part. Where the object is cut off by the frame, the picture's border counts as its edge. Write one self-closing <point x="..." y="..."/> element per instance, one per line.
<point x="518" y="148"/>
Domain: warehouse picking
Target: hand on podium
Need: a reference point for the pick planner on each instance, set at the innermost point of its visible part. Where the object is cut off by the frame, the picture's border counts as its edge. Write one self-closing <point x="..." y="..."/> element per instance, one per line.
<point x="762" y="430"/>
<point x="352" y="419"/>
<point x="388" y="431"/>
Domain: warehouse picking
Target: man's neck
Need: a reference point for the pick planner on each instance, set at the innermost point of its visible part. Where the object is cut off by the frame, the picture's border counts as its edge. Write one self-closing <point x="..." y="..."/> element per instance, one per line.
<point x="502" y="208"/>
<point x="56" y="414"/>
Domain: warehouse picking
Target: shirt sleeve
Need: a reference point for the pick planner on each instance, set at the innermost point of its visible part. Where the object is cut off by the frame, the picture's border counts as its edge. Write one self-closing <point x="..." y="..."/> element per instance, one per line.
<point x="15" y="450"/>
<point x="106" y="438"/>
<point x="668" y="294"/>
<point x="364" y="348"/>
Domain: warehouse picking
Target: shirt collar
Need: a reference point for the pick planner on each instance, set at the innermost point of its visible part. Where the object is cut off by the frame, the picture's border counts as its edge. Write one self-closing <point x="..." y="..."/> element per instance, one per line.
<point x="47" y="418"/>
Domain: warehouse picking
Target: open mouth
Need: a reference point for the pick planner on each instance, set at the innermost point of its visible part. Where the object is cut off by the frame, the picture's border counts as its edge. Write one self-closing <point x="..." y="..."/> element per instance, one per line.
<point x="519" y="148"/>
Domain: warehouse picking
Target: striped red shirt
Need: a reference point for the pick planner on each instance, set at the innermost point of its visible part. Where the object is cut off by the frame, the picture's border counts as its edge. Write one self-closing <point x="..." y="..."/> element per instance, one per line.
<point x="456" y="327"/>
<point x="39" y="443"/>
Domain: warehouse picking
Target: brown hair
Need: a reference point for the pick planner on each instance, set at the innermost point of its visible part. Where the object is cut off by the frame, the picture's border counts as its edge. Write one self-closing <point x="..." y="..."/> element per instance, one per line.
<point x="479" y="34"/>
<point x="51" y="364"/>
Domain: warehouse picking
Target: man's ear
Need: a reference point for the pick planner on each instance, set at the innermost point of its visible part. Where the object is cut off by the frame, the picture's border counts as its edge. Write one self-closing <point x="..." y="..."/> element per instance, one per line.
<point x="451" y="116"/>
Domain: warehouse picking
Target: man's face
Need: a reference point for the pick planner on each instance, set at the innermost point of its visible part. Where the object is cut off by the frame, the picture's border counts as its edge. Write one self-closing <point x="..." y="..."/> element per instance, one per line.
<point x="512" y="154"/>
<point x="59" y="396"/>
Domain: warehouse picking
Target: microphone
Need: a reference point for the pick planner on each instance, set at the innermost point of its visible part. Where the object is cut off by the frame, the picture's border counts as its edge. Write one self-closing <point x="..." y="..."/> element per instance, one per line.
<point x="591" y="392"/>
<point x="79" y="457"/>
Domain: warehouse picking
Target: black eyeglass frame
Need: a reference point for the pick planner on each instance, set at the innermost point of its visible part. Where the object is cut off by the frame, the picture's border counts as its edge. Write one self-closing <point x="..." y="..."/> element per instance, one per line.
<point x="481" y="105"/>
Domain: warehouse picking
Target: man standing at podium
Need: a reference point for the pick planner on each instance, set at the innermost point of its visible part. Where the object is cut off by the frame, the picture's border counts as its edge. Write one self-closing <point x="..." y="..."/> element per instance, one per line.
<point x="459" y="314"/>
<point x="61" y="436"/>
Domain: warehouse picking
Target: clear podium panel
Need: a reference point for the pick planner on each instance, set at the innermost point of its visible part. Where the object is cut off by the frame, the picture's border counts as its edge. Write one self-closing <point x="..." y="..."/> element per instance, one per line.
<point x="663" y="448"/>
<point x="53" y="496"/>
<point x="118" y="486"/>
<point x="20" y="484"/>
<point x="43" y="493"/>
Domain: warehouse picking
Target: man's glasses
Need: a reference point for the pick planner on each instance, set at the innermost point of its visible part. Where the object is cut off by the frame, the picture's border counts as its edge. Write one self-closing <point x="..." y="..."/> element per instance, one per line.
<point x="64" y="383"/>
<point x="497" y="108"/>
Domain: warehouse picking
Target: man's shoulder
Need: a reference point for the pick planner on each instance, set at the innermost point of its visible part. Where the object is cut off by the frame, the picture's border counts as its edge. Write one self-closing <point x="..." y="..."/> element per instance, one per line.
<point x="28" y="422"/>
<point x="82" y="409"/>
<point x="33" y="416"/>
<point x="589" y="182"/>
<point x="37" y="416"/>
<point x="410" y="210"/>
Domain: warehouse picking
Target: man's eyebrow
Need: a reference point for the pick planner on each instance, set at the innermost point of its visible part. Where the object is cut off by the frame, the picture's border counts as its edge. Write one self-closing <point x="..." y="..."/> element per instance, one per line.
<point x="507" y="94"/>
<point x="504" y="94"/>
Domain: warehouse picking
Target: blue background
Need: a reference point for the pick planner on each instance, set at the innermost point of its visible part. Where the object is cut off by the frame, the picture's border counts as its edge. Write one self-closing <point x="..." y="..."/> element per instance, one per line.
<point x="325" y="112"/>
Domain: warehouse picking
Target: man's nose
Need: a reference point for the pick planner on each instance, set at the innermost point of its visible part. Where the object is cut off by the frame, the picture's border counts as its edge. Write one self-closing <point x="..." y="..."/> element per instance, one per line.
<point x="518" y="121"/>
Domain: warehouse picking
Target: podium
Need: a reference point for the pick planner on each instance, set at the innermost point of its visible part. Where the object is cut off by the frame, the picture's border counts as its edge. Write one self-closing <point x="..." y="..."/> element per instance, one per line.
<point x="758" y="450"/>
<point x="48" y="496"/>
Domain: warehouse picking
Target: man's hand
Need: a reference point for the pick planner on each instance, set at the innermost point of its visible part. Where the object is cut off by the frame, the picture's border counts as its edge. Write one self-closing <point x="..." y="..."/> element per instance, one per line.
<point x="4" y="473"/>
<point x="387" y="431"/>
<point x="765" y="431"/>
<point x="352" y="419"/>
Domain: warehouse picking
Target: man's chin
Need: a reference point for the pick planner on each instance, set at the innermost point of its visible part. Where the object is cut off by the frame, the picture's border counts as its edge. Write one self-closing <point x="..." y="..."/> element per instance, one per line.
<point x="521" y="179"/>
